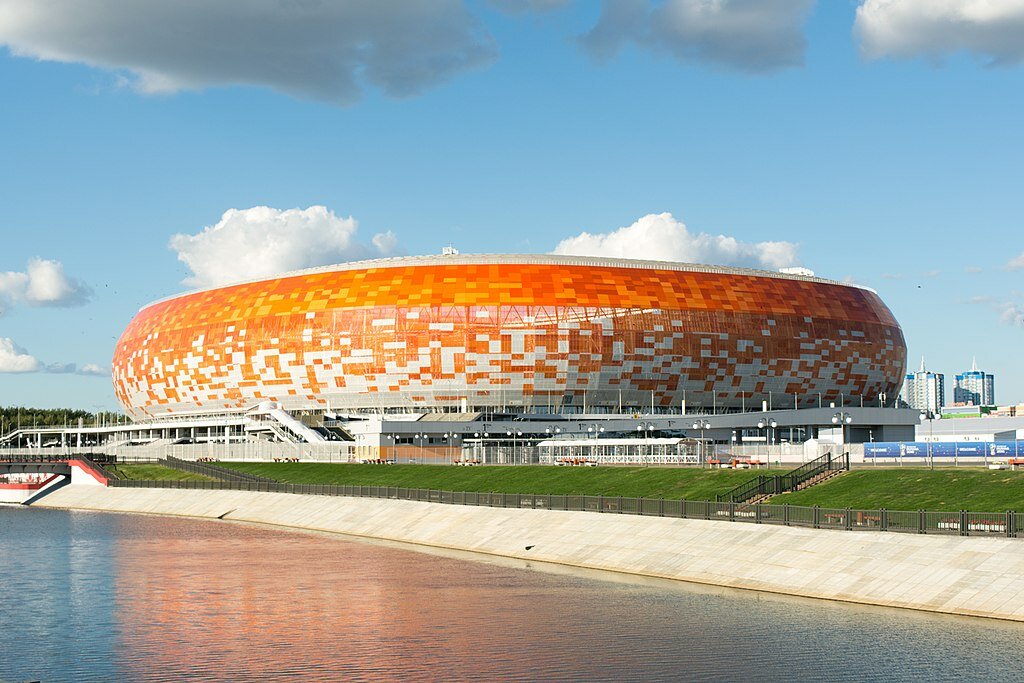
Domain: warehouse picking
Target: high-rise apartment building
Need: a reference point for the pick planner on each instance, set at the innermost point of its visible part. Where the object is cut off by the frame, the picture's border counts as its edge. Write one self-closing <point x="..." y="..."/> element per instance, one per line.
<point x="924" y="390"/>
<point x="974" y="387"/>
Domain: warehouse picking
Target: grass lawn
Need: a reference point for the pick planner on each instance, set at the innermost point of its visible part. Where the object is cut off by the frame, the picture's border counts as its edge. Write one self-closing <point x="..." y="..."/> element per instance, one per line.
<point x="974" y="489"/>
<point x="647" y="482"/>
<point x="151" y="472"/>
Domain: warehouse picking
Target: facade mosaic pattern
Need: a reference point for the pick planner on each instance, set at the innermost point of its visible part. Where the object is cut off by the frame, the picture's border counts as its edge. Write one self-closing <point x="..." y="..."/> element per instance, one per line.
<point x="508" y="333"/>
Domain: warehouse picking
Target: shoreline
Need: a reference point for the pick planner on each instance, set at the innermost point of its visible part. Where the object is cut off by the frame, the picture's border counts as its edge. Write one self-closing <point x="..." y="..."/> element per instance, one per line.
<point x="964" y="576"/>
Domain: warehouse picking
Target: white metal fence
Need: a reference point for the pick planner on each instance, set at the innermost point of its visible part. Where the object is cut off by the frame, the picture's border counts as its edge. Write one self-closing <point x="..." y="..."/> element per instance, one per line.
<point x="338" y="451"/>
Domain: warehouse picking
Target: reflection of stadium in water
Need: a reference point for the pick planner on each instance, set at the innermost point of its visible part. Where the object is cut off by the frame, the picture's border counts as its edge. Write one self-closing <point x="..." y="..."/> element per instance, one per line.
<point x="141" y="598"/>
<point x="514" y="332"/>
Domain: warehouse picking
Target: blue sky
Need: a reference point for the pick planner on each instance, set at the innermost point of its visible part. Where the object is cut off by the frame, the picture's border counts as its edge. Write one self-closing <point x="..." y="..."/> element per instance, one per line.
<point x="888" y="154"/>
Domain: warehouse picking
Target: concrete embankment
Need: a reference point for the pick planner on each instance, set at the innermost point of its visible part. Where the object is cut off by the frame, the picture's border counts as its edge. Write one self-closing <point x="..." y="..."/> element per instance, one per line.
<point x="950" y="574"/>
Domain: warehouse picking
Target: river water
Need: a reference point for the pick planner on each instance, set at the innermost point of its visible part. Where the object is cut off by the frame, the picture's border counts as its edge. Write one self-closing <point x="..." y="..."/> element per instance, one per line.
<point x="105" y="597"/>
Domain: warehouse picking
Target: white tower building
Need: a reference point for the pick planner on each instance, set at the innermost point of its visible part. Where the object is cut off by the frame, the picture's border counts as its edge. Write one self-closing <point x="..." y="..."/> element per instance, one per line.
<point x="924" y="390"/>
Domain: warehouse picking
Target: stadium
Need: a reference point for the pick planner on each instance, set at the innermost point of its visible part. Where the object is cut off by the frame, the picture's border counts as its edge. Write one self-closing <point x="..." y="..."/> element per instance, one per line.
<point x="381" y="353"/>
<point x="469" y="333"/>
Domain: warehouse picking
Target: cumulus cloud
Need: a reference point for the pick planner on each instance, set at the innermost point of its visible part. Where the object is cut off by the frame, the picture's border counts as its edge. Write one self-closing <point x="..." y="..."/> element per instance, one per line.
<point x="262" y="241"/>
<point x="661" y="237"/>
<point x="1008" y="308"/>
<point x="749" y="35"/>
<point x="15" y="359"/>
<point x="321" y="50"/>
<point x="1011" y="313"/>
<point x="992" y="29"/>
<point x="1016" y="263"/>
<point x="43" y="283"/>
<point x="94" y="370"/>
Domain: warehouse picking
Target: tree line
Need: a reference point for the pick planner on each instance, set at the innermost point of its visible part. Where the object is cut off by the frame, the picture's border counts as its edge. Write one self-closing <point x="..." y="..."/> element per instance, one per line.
<point x="13" y="416"/>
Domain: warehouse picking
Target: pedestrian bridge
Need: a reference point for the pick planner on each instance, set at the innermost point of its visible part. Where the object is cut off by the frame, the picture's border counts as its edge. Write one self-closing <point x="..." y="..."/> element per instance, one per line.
<point x="23" y="481"/>
<point x="28" y="467"/>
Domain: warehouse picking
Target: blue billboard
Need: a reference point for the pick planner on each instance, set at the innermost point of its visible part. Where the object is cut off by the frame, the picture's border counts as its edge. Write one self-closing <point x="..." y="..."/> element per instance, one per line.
<point x="943" y="449"/>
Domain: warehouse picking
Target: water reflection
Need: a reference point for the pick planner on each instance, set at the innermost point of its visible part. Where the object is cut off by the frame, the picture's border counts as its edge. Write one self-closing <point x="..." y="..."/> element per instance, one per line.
<point x="154" y="599"/>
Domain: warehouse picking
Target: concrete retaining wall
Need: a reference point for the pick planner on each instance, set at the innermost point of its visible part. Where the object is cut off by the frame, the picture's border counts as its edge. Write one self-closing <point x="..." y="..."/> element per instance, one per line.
<point x="969" y="576"/>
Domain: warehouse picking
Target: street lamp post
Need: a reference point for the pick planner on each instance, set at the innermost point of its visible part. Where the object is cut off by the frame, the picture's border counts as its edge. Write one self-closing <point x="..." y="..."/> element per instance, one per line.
<point x="385" y="441"/>
<point x="767" y="424"/>
<point x="483" y="444"/>
<point x="842" y="419"/>
<point x="513" y="433"/>
<point x="702" y="451"/>
<point x="422" y="436"/>
<point x="596" y="432"/>
<point x="930" y="416"/>
<point x="644" y="430"/>
<point x="553" y="432"/>
<point x="450" y="438"/>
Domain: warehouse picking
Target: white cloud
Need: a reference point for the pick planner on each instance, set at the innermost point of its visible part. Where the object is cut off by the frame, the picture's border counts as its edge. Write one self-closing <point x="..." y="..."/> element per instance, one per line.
<point x="94" y="370"/>
<point x="262" y="241"/>
<point x="993" y="29"/>
<point x="320" y="50"/>
<point x="13" y="358"/>
<point x="662" y="237"/>
<point x="1016" y="263"/>
<point x="89" y="369"/>
<point x="49" y="285"/>
<point x="974" y="270"/>
<point x="749" y="35"/>
<point x="44" y="283"/>
<point x="385" y="242"/>
<point x="1011" y="313"/>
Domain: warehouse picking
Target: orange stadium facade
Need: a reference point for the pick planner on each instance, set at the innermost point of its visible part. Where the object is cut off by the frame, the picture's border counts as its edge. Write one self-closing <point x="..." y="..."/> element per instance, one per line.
<point x="511" y="333"/>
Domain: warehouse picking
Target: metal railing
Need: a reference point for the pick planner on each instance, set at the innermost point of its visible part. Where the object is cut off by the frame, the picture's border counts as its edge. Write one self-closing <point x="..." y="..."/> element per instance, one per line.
<point x="959" y="523"/>
<point x="87" y="455"/>
<point x="332" y="451"/>
<point x="765" y="485"/>
<point x="211" y="470"/>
